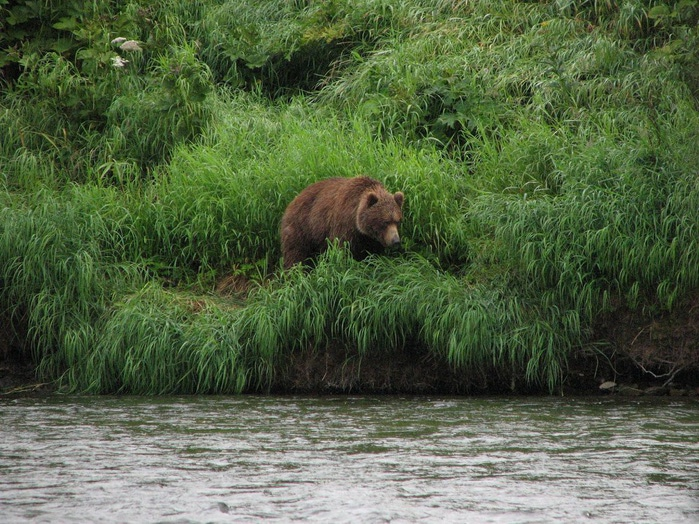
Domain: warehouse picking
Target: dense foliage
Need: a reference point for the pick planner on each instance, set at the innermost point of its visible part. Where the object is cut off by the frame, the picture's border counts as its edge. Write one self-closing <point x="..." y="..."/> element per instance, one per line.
<point x="547" y="150"/>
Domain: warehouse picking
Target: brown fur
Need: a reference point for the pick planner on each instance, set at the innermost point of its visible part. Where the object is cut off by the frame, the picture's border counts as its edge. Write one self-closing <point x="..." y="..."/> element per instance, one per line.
<point x="359" y="211"/>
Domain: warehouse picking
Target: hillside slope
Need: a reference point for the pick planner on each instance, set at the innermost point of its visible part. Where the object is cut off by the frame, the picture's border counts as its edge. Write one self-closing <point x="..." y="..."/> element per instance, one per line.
<point x="547" y="151"/>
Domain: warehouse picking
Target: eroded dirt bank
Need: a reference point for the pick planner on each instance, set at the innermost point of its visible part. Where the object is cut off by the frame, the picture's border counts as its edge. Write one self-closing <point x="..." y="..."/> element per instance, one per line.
<point x="632" y="356"/>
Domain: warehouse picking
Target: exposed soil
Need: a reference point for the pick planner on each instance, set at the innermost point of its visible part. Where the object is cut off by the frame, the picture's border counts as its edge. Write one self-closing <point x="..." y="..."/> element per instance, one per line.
<point x="653" y="353"/>
<point x="341" y="370"/>
<point x="17" y="372"/>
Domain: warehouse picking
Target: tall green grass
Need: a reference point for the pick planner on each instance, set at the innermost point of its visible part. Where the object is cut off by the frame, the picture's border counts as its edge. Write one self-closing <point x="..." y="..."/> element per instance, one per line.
<point x="59" y="276"/>
<point x="92" y="249"/>
<point x="157" y="341"/>
<point x="284" y="47"/>
<point x="547" y="152"/>
<point x="223" y="199"/>
<point x="385" y="304"/>
<point x="71" y="114"/>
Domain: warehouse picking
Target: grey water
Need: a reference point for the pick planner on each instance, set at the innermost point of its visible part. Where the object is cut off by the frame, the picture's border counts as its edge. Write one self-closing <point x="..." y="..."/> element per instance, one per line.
<point x="349" y="459"/>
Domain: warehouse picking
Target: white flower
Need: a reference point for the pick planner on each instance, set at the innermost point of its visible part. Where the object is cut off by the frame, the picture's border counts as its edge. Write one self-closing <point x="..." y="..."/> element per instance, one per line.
<point x="117" y="61"/>
<point x="118" y="40"/>
<point x="130" y="45"/>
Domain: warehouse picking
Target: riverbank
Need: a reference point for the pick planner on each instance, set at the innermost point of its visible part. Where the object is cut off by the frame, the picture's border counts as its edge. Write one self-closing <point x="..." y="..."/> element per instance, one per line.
<point x="320" y="375"/>
<point x="344" y="372"/>
<point x="641" y="369"/>
<point x="628" y="354"/>
<point x="546" y="151"/>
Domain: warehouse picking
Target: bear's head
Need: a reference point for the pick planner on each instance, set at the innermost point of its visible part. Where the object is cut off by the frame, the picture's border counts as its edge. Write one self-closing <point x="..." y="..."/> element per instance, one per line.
<point x="379" y="214"/>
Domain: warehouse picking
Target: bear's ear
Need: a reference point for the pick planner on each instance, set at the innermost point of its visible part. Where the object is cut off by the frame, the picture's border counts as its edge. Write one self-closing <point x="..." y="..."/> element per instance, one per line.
<point x="371" y="199"/>
<point x="399" y="198"/>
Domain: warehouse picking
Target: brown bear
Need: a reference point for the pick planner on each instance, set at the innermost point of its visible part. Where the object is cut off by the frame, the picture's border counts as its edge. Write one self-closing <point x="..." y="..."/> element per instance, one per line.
<point x="358" y="211"/>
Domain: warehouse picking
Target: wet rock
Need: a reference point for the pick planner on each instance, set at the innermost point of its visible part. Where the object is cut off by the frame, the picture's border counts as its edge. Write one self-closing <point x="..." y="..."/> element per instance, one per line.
<point x="630" y="390"/>
<point x="656" y="391"/>
<point x="607" y="386"/>
<point x="678" y="392"/>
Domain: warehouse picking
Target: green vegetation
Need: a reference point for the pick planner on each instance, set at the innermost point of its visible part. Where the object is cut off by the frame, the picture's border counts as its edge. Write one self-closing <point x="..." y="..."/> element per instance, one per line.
<point x="547" y="150"/>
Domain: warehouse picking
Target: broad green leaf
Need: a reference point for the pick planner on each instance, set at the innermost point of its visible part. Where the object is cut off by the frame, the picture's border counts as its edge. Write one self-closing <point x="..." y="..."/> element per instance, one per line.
<point x="67" y="23"/>
<point x="659" y="11"/>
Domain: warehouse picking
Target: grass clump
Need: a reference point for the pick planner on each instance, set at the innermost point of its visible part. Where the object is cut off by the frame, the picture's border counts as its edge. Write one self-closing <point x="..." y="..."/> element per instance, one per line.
<point x="222" y="200"/>
<point x="58" y="277"/>
<point x="158" y="342"/>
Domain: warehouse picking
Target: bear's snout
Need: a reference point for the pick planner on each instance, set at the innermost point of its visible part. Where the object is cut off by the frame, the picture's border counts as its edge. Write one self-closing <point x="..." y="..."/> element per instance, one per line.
<point x="391" y="237"/>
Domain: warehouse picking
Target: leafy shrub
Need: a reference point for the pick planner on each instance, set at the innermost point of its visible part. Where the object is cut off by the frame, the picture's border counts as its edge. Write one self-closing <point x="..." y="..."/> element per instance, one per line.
<point x="101" y="108"/>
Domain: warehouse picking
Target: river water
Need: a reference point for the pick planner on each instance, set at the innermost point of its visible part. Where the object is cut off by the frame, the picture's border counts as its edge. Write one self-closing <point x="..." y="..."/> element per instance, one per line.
<point x="349" y="459"/>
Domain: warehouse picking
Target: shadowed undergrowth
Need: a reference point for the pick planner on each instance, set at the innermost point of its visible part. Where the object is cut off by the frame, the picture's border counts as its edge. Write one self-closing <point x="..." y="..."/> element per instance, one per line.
<point x="547" y="152"/>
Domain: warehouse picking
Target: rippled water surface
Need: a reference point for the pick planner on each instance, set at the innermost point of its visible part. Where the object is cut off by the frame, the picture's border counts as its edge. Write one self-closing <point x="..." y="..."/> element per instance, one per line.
<point x="344" y="459"/>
